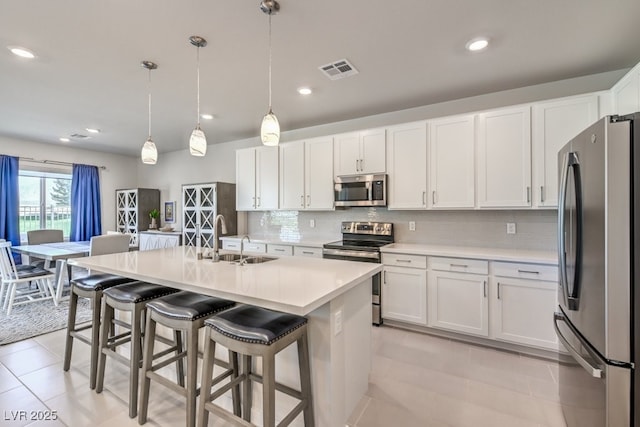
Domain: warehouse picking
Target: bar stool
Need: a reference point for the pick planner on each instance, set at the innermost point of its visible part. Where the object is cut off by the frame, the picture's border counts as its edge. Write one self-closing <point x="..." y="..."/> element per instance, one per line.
<point x="130" y="297"/>
<point x="183" y="312"/>
<point x="254" y="331"/>
<point x="90" y="287"/>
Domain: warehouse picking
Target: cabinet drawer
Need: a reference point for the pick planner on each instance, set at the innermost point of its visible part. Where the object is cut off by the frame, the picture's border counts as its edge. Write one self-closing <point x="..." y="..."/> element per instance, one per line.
<point x="234" y="245"/>
<point x="526" y="271"/>
<point x="231" y="245"/>
<point x="280" y="249"/>
<point x="402" y="260"/>
<point x="307" y="251"/>
<point x="460" y="265"/>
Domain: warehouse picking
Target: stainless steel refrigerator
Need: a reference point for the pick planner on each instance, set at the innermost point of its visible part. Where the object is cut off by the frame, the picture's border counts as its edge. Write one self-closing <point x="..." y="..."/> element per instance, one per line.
<point x="598" y="233"/>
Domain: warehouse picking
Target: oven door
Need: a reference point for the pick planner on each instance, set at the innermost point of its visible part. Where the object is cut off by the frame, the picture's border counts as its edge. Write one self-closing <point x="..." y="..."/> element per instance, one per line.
<point x="350" y="255"/>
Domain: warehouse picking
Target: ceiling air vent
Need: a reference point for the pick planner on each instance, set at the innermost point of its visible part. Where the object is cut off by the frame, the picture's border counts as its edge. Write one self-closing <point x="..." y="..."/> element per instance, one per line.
<point x="338" y="70"/>
<point x="79" y="136"/>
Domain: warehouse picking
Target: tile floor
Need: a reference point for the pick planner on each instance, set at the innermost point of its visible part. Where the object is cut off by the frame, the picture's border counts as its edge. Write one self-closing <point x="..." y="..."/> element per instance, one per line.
<point x="417" y="380"/>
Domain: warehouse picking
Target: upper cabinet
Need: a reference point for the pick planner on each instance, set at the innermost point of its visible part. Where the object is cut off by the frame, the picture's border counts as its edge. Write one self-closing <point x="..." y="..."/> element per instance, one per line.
<point x="554" y="124"/>
<point x="451" y="162"/>
<point x="306" y="175"/>
<point x="407" y="160"/>
<point x="626" y="93"/>
<point x="360" y="153"/>
<point x="257" y="178"/>
<point x="504" y="158"/>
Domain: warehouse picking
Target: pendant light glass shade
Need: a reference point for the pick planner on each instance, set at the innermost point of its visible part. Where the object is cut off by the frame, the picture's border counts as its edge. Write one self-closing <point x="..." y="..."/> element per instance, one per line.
<point x="198" y="141"/>
<point x="270" y="129"/>
<point x="149" y="153"/>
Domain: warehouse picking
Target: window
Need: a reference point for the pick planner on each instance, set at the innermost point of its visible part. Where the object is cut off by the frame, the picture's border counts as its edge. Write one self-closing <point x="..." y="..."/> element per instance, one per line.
<point x="45" y="201"/>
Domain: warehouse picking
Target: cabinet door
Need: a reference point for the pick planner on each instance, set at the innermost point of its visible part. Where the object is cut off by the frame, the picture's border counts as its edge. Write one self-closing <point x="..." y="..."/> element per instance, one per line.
<point x="504" y="158"/>
<point x="318" y="175"/>
<point x="373" y="151"/>
<point x="404" y="294"/>
<point x="347" y="154"/>
<point x="266" y="178"/>
<point x="554" y="124"/>
<point x="245" y="179"/>
<point x="292" y="160"/>
<point x="407" y="158"/>
<point x="190" y="215"/>
<point x="626" y="93"/>
<point x="459" y="302"/>
<point x="451" y="162"/>
<point x="523" y="312"/>
<point x="144" y="242"/>
<point x="206" y="213"/>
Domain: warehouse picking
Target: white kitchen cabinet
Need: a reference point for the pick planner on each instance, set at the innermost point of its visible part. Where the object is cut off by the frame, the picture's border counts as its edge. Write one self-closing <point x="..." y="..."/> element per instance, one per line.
<point x="504" y="158"/>
<point x="362" y="152"/>
<point x="407" y="161"/>
<point x="458" y="295"/>
<point x="626" y="93"/>
<point x="554" y="123"/>
<point x="404" y="294"/>
<point x="279" y="250"/>
<point x="158" y="240"/>
<point x="524" y="300"/>
<point x="257" y="178"/>
<point x="452" y="162"/>
<point x="306" y="175"/>
<point x="308" y="251"/>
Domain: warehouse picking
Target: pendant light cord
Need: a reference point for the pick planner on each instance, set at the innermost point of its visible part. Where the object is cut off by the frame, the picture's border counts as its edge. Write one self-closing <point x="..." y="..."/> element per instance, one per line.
<point x="149" y="103"/>
<point x="269" y="62"/>
<point x="198" y="83"/>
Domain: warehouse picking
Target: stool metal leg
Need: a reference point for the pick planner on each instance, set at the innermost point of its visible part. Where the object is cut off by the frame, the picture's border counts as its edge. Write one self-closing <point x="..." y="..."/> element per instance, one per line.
<point x="147" y="360"/>
<point x="71" y="325"/>
<point x="305" y="379"/>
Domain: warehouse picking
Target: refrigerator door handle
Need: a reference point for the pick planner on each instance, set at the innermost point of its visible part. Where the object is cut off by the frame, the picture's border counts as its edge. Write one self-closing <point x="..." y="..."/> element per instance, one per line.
<point x="562" y="260"/>
<point x="592" y="370"/>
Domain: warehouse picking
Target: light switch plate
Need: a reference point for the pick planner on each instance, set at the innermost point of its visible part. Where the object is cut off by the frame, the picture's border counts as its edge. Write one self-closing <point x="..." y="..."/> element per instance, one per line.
<point x="511" y="228"/>
<point x="412" y="226"/>
<point x="312" y="223"/>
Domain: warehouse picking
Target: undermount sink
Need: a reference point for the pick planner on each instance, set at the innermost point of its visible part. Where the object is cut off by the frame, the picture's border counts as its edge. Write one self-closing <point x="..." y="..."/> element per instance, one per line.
<point x="235" y="258"/>
<point x="230" y="257"/>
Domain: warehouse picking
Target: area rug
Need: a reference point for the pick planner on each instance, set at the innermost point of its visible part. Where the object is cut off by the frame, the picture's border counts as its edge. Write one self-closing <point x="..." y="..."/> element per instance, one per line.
<point x="37" y="318"/>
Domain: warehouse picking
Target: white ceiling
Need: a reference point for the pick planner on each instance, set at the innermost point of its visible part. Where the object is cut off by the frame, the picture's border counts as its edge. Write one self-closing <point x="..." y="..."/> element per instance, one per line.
<point x="409" y="53"/>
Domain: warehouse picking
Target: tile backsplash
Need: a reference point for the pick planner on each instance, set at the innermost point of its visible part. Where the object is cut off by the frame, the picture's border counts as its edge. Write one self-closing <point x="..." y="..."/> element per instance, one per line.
<point x="535" y="229"/>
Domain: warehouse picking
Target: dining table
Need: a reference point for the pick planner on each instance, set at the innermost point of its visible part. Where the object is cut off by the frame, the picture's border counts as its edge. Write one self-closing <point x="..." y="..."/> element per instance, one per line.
<point x="58" y="252"/>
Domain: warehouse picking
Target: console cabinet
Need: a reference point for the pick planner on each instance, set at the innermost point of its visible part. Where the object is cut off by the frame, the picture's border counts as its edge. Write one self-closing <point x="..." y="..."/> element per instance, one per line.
<point x="132" y="210"/>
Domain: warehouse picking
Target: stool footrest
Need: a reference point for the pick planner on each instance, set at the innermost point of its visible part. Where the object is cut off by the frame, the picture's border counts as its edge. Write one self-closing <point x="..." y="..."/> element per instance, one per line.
<point x="80" y="337"/>
<point x="166" y="362"/>
<point x="170" y="384"/>
<point x="226" y="415"/>
<point x="225" y="388"/>
<point x="280" y="387"/>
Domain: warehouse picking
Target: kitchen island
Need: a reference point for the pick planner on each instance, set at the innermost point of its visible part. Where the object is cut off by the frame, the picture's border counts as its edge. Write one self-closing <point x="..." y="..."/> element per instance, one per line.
<point x="334" y="295"/>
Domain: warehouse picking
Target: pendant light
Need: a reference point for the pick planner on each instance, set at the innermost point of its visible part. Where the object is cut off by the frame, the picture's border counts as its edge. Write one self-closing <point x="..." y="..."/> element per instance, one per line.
<point x="198" y="142"/>
<point x="149" y="151"/>
<point x="270" y="129"/>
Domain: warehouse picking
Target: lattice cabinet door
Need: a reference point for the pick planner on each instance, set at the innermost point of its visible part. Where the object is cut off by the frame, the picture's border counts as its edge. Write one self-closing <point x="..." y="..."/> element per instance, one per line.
<point x="198" y="211"/>
<point x="132" y="210"/>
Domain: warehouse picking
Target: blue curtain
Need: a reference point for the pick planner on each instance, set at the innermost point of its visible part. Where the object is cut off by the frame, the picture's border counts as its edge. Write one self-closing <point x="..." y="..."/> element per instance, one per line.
<point x="9" y="201"/>
<point x="86" y="220"/>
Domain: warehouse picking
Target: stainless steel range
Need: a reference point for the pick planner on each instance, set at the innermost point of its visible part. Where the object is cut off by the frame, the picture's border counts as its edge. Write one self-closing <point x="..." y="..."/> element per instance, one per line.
<point x="361" y="241"/>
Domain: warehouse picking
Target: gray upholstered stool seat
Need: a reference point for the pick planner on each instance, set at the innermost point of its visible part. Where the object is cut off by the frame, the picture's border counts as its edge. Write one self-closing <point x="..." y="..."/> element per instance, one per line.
<point x="254" y="331"/>
<point x="130" y="297"/>
<point x="183" y="312"/>
<point x="90" y="287"/>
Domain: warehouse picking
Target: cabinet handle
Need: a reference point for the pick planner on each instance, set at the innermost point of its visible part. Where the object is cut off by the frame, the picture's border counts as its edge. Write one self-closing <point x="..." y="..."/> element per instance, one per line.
<point x="357" y="168"/>
<point x="254" y="202"/>
<point x="307" y="252"/>
<point x="424" y="198"/>
<point x="433" y="197"/>
<point x="278" y="250"/>
<point x="542" y="194"/>
<point x="498" y="290"/>
<point x="302" y="201"/>
<point x="404" y="260"/>
<point x="384" y="277"/>
<point x="361" y="165"/>
<point x="258" y="201"/>
<point x="528" y="194"/>
<point x="458" y="266"/>
<point x="528" y="271"/>
<point x="308" y="200"/>
<point x="484" y="286"/>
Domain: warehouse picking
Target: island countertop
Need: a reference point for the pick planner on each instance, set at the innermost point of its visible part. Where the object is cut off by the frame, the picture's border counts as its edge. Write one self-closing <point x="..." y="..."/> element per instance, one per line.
<point x="296" y="285"/>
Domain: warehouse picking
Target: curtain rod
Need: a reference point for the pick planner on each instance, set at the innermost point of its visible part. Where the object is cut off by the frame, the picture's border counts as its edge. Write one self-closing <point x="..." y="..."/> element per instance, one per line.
<point x="54" y="162"/>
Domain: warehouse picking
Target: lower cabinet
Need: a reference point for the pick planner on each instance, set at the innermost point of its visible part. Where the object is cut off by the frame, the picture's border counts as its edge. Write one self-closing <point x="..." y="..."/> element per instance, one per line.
<point x="404" y="294"/>
<point x="523" y="306"/>
<point x="151" y="241"/>
<point x="308" y="251"/>
<point x="458" y="295"/>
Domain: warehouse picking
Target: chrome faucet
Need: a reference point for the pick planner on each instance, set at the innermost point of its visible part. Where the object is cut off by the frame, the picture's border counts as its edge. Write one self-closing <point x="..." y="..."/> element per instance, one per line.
<point x="216" y="251"/>
<point x="242" y="260"/>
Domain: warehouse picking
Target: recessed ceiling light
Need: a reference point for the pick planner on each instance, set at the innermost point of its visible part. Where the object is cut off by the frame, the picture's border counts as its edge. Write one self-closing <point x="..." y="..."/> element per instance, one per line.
<point x="477" y="44"/>
<point x="304" y="91"/>
<point x="63" y="139"/>
<point x="206" y="116"/>
<point x="21" y="52"/>
<point x="92" y="130"/>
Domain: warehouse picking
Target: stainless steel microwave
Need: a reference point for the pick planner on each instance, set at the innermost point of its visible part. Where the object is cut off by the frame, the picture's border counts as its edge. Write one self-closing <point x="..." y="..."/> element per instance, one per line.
<point x="361" y="190"/>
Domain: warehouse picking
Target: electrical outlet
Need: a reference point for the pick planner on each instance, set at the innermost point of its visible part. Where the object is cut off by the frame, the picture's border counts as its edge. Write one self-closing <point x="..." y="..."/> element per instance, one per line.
<point x="337" y="322"/>
<point x="511" y="228"/>
<point x="412" y="226"/>
<point x="312" y="223"/>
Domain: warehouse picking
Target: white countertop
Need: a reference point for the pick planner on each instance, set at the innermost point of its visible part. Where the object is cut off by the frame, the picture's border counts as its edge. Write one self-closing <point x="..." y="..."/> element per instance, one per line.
<point x="316" y="242"/>
<point x="491" y="254"/>
<point x="295" y="285"/>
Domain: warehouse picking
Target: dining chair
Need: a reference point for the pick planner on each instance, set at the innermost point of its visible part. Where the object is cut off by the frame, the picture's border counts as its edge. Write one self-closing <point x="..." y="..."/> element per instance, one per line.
<point x="38" y="237"/>
<point x="12" y="277"/>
